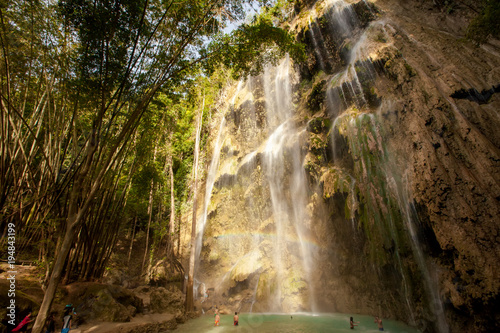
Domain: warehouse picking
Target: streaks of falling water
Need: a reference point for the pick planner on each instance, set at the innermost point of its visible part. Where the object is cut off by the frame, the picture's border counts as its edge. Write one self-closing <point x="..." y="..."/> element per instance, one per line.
<point x="364" y="140"/>
<point x="254" y="296"/>
<point x="212" y="172"/>
<point x="275" y="171"/>
<point x="316" y="44"/>
<point x="397" y="191"/>
<point x="345" y="87"/>
<point x="410" y="217"/>
<point x="211" y="177"/>
<point x="344" y="18"/>
<point x="288" y="211"/>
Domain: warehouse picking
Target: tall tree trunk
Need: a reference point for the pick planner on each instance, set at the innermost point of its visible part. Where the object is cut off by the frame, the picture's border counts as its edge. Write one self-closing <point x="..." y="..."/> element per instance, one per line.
<point x="131" y="242"/>
<point x="171" y="227"/>
<point x="150" y="213"/>
<point x="179" y="235"/>
<point x="55" y="277"/>
<point x="73" y="222"/>
<point x="150" y="209"/>
<point x="190" y="282"/>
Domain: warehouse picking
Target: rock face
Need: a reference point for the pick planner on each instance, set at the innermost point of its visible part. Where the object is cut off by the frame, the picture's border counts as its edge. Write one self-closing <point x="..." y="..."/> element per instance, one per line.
<point x="365" y="180"/>
<point x="163" y="300"/>
<point x="100" y="302"/>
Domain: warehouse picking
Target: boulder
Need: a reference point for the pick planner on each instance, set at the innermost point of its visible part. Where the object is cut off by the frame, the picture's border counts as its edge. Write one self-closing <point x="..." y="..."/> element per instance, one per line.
<point x="108" y="303"/>
<point x="163" y="300"/>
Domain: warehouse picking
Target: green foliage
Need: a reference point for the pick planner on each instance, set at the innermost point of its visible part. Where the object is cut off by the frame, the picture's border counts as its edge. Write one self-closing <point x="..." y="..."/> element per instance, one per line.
<point x="280" y="13"/>
<point x="250" y="47"/>
<point x="319" y="125"/>
<point x="316" y="98"/>
<point x="101" y="99"/>
<point x="486" y="24"/>
<point x="105" y="31"/>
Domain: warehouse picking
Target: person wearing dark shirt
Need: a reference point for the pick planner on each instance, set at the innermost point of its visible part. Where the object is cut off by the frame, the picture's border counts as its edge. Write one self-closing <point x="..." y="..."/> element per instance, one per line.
<point x="51" y="324"/>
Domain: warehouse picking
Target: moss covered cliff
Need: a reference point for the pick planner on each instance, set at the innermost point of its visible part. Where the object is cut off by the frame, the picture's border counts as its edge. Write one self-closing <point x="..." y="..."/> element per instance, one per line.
<point x="393" y="124"/>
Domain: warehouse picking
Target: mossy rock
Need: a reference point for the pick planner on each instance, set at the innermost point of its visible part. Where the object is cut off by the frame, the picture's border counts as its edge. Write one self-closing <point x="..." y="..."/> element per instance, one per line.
<point x="366" y="12"/>
<point x="107" y="303"/>
<point x="318" y="125"/>
<point x="246" y="266"/>
<point x="106" y="308"/>
<point x="267" y="285"/>
<point x="317" y="96"/>
<point x="334" y="180"/>
<point x="163" y="300"/>
<point x="294" y="284"/>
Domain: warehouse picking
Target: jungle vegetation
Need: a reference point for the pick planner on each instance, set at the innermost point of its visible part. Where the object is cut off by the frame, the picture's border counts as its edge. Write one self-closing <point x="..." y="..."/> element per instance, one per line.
<point x="102" y="103"/>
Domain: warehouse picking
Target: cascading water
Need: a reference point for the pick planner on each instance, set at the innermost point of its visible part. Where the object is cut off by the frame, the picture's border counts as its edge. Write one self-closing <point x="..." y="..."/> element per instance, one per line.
<point x="373" y="167"/>
<point x="211" y="177"/>
<point x="210" y="181"/>
<point x="274" y="264"/>
<point x="212" y="172"/>
<point x="259" y="250"/>
<point x="289" y="197"/>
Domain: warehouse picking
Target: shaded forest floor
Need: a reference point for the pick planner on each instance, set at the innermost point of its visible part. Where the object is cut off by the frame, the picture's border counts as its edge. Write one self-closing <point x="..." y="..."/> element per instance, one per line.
<point x="99" y="307"/>
<point x="140" y="323"/>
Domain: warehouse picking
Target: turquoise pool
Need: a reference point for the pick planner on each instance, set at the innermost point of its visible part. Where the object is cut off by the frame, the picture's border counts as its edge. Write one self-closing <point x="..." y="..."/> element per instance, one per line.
<point x="297" y="323"/>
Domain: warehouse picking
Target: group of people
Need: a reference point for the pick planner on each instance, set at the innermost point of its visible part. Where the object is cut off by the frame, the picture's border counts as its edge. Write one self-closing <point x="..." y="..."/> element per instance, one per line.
<point x="377" y="321"/>
<point x="50" y="325"/>
<point x="217" y="318"/>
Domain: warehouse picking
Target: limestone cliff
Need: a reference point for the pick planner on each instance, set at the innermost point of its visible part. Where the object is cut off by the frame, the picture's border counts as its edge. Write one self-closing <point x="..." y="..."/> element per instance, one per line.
<point x="365" y="180"/>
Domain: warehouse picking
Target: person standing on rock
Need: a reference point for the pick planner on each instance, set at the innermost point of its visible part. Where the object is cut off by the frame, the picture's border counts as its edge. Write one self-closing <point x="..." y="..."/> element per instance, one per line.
<point x="51" y="324"/>
<point x="67" y="319"/>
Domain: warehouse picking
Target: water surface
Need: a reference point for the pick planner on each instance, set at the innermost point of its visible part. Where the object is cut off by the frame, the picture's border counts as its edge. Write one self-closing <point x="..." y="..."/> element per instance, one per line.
<point x="272" y="323"/>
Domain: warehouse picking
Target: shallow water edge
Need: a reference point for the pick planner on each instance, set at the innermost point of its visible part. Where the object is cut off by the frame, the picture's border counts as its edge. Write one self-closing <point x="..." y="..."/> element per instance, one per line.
<point x="293" y="323"/>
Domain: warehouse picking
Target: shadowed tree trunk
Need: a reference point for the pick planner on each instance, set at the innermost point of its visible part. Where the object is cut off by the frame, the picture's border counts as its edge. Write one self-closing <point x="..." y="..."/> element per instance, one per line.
<point x="150" y="213"/>
<point x="190" y="281"/>
<point x="171" y="226"/>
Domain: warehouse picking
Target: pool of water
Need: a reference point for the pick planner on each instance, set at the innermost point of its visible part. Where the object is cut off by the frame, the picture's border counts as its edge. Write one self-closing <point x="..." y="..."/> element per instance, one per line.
<point x="297" y="323"/>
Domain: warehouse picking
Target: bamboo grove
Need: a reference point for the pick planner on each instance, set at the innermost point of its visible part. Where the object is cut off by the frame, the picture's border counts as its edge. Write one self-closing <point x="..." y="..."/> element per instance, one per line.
<point x="99" y="101"/>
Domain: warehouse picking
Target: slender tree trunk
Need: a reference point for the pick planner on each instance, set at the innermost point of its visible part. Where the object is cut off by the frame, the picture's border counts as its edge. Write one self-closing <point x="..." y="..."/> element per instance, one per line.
<point x="171" y="227"/>
<point x="150" y="212"/>
<point x="131" y="242"/>
<point x="150" y="209"/>
<point x="55" y="278"/>
<point x="179" y="236"/>
<point x="73" y="222"/>
<point x="190" y="281"/>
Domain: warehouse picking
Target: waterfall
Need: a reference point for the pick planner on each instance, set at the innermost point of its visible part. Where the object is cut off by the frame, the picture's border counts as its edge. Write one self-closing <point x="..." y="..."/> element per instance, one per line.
<point x="211" y="177"/>
<point x="288" y="196"/>
<point x="269" y="255"/>
<point x="259" y="241"/>
<point x="374" y="167"/>
<point x="210" y="181"/>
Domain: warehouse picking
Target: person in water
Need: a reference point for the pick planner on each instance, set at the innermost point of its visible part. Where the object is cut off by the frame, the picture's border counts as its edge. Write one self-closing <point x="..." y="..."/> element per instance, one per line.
<point x="217" y="319"/>
<point x="353" y="323"/>
<point x="378" y="321"/>
<point x="235" y="319"/>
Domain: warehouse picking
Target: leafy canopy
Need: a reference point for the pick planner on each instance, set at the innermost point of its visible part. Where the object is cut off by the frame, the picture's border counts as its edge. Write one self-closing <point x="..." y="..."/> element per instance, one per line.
<point x="252" y="45"/>
<point x="486" y="24"/>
